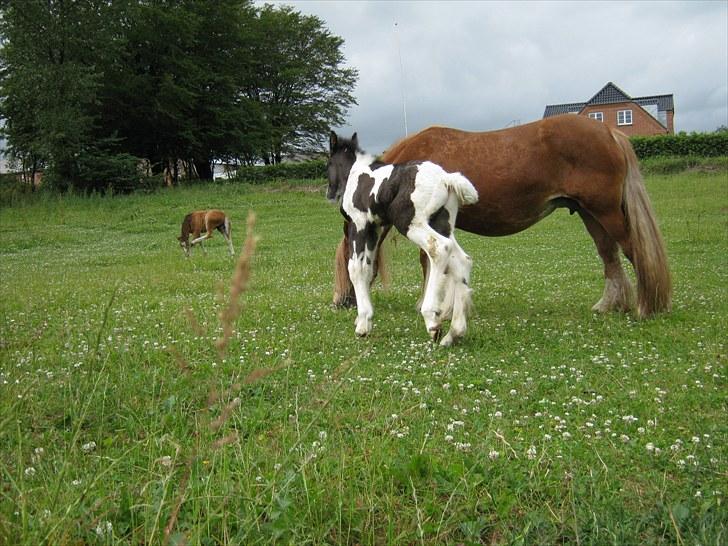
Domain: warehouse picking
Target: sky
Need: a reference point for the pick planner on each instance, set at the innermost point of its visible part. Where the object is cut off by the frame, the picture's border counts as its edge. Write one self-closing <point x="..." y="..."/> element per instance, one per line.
<point x="483" y="66"/>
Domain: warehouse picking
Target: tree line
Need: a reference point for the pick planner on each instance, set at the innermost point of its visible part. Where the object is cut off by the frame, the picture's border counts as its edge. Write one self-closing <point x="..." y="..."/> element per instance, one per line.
<point x="90" y="90"/>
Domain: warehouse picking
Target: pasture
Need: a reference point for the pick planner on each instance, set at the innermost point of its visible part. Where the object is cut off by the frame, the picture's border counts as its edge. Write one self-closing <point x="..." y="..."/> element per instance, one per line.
<point x="120" y="423"/>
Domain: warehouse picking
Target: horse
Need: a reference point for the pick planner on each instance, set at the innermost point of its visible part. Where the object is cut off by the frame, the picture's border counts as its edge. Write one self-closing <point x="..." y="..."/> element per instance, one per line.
<point x="208" y="220"/>
<point x="421" y="200"/>
<point x="524" y="173"/>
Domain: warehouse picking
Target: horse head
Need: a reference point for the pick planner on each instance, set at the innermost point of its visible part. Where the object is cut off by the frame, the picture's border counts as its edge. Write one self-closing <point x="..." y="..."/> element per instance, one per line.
<point x="342" y="155"/>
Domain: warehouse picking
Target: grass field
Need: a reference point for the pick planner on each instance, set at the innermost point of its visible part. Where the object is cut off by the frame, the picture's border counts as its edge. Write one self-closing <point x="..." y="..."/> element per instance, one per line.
<point x="121" y="423"/>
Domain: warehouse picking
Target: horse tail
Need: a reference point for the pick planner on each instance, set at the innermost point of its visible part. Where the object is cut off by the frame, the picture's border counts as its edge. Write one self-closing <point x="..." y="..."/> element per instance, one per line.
<point x="649" y="257"/>
<point x="228" y="226"/>
<point x="343" y="289"/>
<point x="461" y="186"/>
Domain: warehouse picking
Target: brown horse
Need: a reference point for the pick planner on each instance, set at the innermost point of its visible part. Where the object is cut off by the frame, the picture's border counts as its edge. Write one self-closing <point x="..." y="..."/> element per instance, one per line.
<point x="207" y="220"/>
<point x="522" y="174"/>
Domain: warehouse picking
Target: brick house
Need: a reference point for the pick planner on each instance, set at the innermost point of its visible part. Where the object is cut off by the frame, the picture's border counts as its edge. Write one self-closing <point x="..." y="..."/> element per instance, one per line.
<point x="651" y="115"/>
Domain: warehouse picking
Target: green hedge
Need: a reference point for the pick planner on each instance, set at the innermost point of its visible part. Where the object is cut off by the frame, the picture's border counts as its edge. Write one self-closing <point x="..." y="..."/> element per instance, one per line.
<point x="305" y="170"/>
<point x="693" y="144"/>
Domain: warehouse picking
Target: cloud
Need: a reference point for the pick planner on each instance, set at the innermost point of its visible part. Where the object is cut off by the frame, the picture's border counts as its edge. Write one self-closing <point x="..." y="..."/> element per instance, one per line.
<point x="484" y="65"/>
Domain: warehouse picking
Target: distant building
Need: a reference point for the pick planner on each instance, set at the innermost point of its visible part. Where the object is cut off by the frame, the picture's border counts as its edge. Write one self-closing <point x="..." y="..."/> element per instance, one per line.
<point x="651" y="115"/>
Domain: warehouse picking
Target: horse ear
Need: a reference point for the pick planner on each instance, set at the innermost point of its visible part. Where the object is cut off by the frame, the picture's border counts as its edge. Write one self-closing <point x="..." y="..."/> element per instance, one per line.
<point x="355" y="141"/>
<point x="333" y="140"/>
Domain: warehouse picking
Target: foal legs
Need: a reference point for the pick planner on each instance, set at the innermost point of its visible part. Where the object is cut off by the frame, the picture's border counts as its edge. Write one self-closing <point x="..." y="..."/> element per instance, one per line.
<point x="224" y="228"/>
<point x="458" y="297"/>
<point x="438" y="249"/>
<point x="361" y="273"/>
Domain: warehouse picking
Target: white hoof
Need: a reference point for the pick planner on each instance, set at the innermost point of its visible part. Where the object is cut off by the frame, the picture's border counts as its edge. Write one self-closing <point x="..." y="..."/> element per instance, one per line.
<point x="363" y="326"/>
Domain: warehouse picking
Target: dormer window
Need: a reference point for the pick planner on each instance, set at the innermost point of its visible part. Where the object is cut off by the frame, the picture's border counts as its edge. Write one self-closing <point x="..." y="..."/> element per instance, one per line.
<point x="624" y="117"/>
<point x="599" y="116"/>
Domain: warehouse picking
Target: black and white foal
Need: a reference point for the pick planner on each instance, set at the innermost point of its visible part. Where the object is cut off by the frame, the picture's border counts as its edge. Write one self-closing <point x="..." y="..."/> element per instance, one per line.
<point x="421" y="200"/>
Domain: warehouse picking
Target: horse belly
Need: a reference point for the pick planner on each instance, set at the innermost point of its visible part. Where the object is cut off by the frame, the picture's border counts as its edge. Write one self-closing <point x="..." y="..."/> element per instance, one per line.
<point x="502" y="217"/>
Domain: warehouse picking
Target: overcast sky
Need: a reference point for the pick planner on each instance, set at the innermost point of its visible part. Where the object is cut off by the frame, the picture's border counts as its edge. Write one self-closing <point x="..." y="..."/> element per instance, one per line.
<point x="485" y="65"/>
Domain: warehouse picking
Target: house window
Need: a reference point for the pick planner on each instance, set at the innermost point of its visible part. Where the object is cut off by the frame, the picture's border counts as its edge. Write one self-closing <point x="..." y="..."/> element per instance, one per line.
<point x="624" y="117"/>
<point x="599" y="116"/>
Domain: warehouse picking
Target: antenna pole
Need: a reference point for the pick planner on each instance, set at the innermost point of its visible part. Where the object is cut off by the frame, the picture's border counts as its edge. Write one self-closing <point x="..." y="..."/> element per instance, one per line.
<point x="401" y="71"/>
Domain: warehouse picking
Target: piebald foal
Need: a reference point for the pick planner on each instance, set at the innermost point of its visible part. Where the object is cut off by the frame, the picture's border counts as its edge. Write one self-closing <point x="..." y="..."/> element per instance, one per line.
<point x="207" y="220"/>
<point x="421" y="200"/>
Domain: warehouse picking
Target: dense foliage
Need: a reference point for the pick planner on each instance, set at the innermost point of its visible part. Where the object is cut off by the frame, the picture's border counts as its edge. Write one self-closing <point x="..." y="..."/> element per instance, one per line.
<point x="305" y="170"/>
<point x="135" y="87"/>
<point x="693" y="144"/>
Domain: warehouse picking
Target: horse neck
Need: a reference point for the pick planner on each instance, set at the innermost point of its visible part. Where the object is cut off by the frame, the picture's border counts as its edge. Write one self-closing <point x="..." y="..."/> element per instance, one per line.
<point x="186" y="227"/>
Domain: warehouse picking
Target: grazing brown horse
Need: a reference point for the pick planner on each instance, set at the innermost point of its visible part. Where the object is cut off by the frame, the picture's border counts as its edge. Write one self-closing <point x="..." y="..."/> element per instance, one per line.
<point x="522" y="174"/>
<point x="204" y="220"/>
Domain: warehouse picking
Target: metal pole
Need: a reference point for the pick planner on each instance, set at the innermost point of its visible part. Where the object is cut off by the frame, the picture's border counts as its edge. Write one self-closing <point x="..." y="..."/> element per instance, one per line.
<point x="401" y="71"/>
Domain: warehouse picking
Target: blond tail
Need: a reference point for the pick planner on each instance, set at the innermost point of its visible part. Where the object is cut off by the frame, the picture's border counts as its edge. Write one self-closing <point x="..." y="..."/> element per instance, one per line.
<point x="649" y="258"/>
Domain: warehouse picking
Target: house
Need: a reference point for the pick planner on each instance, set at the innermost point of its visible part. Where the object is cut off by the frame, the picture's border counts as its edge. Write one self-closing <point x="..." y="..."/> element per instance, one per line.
<point x="651" y="115"/>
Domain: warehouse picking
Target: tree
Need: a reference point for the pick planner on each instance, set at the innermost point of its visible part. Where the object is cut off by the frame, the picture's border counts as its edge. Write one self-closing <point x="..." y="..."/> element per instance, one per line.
<point x="50" y="58"/>
<point x="298" y="80"/>
<point x="90" y="86"/>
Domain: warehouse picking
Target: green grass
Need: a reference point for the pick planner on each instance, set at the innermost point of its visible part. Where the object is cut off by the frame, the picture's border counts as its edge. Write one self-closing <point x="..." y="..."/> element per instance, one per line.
<point x="546" y="425"/>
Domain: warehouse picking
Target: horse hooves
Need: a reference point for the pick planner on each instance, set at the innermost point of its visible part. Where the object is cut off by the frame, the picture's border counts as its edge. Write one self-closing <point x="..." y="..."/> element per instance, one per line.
<point x="345" y="303"/>
<point x="449" y="340"/>
<point x="435" y="334"/>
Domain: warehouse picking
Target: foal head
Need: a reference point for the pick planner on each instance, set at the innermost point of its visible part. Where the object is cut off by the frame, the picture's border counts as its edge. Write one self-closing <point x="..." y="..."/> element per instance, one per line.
<point x="342" y="155"/>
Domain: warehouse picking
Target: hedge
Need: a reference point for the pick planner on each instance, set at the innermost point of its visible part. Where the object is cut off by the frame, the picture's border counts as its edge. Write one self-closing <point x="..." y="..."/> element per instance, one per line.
<point x="693" y="144"/>
<point x="305" y="170"/>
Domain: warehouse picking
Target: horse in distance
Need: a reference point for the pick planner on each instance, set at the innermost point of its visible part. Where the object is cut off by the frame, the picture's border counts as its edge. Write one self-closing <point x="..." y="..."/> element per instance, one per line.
<point x="208" y="221"/>
<point x="421" y="200"/>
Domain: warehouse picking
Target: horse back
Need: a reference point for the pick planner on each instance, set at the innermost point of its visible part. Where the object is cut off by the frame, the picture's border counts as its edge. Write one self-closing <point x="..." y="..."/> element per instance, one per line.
<point x="214" y="218"/>
<point x="522" y="173"/>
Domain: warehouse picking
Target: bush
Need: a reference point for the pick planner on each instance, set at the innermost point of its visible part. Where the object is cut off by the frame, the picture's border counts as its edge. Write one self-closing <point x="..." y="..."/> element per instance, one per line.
<point x="694" y="144"/>
<point x="305" y="170"/>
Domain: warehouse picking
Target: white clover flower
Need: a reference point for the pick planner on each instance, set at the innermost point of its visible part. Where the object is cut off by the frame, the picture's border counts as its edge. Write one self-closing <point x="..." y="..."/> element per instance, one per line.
<point x="76" y="483"/>
<point x="624" y="438"/>
<point x="104" y="528"/>
<point x="650" y="446"/>
<point x="448" y="438"/>
<point x="493" y="455"/>
<point x="531" y="452"/>
<point x="166" y="461"/>
<point x="88" y="447"/>
<point x="30" y="472"/>
<point x="322" y="435"/>
<point x="498" y="414"/>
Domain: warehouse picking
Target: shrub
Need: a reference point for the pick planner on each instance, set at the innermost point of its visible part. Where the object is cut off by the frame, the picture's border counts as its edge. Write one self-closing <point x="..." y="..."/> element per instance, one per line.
<point x="693" y="144"/>
<point x="305" y="170"/>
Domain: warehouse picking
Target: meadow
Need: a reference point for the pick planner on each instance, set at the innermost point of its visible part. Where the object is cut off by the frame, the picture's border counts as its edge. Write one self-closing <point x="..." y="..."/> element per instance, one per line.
<point x="122" y="423"/>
